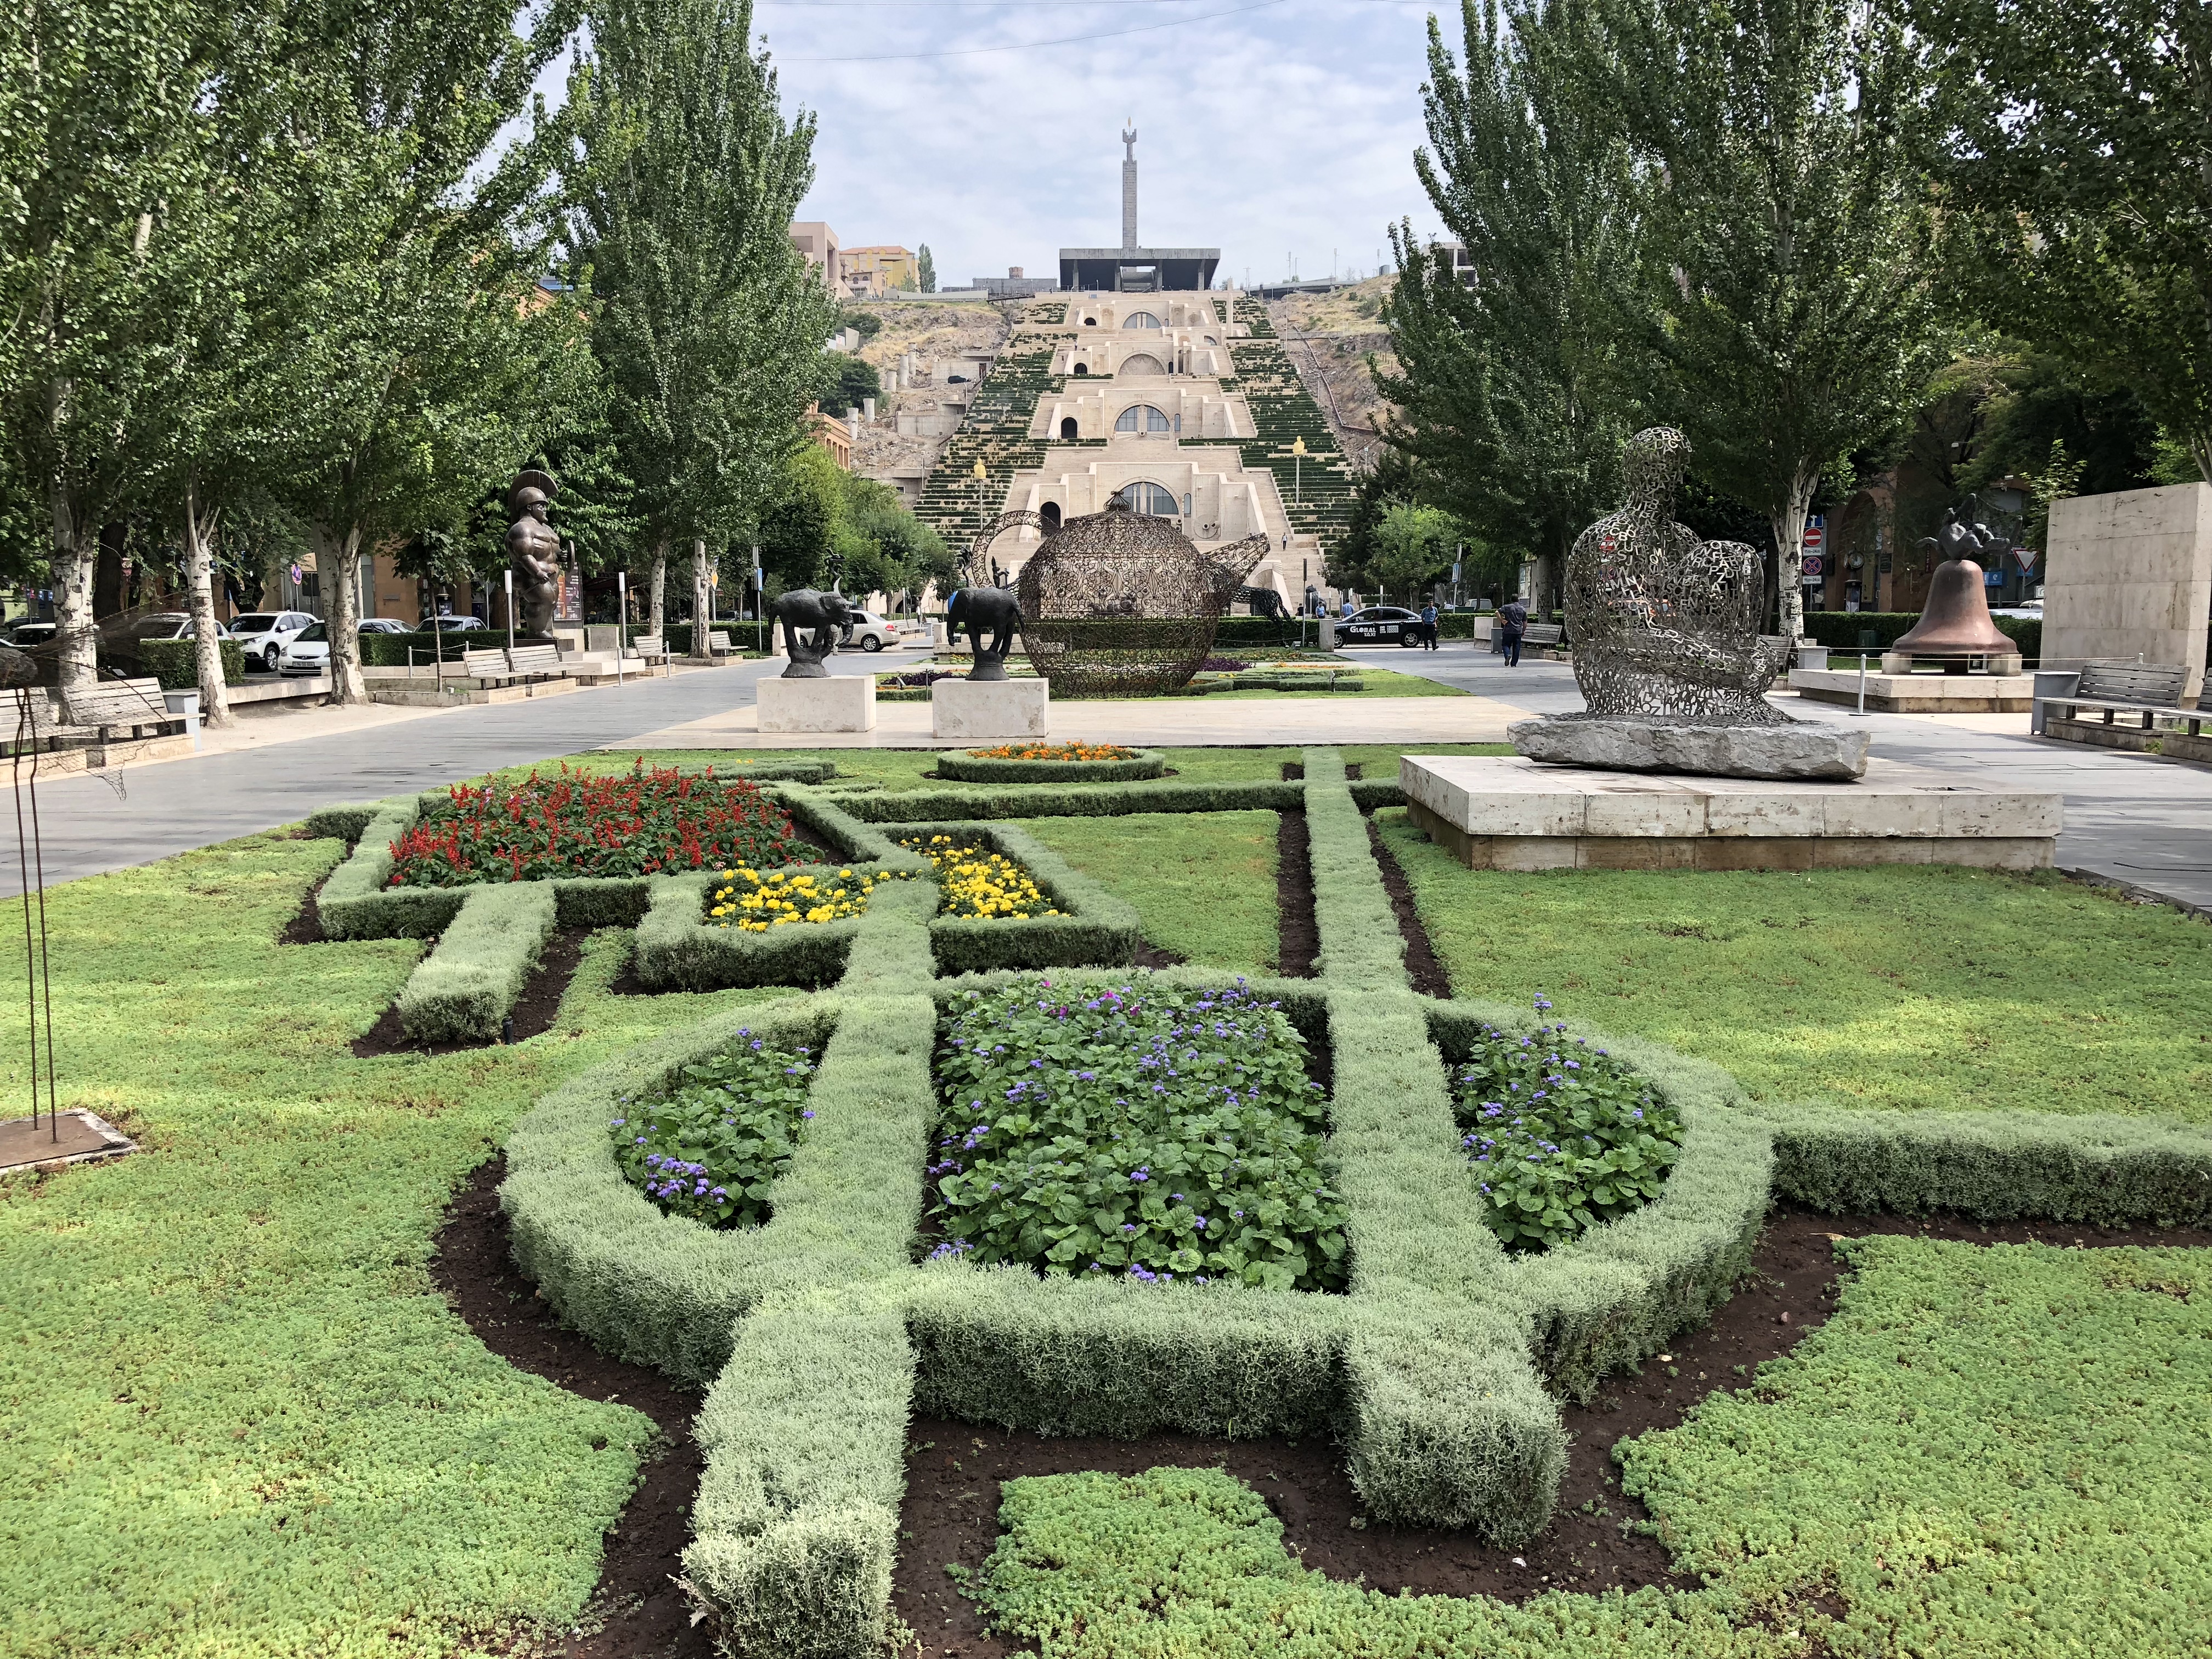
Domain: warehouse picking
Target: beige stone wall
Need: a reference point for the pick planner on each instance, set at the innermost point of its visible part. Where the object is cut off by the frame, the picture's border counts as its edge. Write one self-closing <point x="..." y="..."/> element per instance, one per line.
<point x="2131" y="575"/>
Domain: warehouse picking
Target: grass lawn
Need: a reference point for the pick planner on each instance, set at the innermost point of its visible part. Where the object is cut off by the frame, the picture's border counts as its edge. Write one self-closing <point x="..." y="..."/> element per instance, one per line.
<point x="904" y="769"/>
<point x="1203" y="883"/>
<point x="1989" y="1451"/>
<point x="238" y="1418"/>
<point x="1928" y="986"/>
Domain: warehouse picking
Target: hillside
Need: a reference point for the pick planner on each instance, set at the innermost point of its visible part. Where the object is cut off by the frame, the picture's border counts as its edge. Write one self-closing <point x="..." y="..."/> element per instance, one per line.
<point x="1329" y="337"/>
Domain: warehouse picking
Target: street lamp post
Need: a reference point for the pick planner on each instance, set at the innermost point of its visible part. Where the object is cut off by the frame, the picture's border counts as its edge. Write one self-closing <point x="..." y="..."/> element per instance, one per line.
<point x="509" y="574"/>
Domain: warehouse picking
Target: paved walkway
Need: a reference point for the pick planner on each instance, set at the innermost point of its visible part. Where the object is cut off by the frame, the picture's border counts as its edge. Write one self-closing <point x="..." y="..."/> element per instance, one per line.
<point x="2134" y="818"/>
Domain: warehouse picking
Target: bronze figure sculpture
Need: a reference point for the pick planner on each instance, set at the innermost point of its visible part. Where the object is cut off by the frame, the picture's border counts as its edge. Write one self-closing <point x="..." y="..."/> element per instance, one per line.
<point x="826" y="615"/>
<point x="1664" y="628"/>
<point x="533" y="552"/>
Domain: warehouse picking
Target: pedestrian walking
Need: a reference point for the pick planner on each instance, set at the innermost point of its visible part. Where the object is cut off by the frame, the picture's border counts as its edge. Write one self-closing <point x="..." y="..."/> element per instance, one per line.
<point x="1429" y="626"/>
<point x="1512" y="621"/>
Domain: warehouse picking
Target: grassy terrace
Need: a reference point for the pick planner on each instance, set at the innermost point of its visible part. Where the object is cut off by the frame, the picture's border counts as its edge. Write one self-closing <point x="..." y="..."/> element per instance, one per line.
<point x="1204" y="883"/>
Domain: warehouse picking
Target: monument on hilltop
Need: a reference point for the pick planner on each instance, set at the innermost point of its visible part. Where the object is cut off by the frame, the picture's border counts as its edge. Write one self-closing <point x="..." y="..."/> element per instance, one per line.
<point x="1130" y="269"/>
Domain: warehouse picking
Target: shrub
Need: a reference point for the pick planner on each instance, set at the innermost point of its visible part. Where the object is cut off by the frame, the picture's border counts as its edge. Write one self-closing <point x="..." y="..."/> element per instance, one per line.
<point x="582" y="823"/>
<point x="463" y="990"/>
<point x="1563" y="1136"/>
<point x="1061" y="762"/>
<point x="1149" y="1131"/>
<point x="711" y="1139"/>
<point x="176" y="664"/>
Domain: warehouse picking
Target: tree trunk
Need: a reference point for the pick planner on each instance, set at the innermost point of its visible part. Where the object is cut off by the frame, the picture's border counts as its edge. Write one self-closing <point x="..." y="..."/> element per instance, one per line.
<point x="1789" y="526"/>
<point x="702" y="605"/>
<point x="199" y="584"/>
<point x="107" y="579"/>
<point x="659" y="591"/>
<point x="76" y="640"/>
<point x="338" y="560"/>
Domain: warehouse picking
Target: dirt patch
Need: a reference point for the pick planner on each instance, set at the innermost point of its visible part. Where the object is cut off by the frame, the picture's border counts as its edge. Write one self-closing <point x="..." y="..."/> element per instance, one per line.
<point x="954" y="1469"/>
<point x="306" y="927"/>
<point x="636" y="1612"/>
<point x="1422" y="964"/>
<point x="534" y="1011"/>
<point x="1150" y="956"/>
<point x="1294" y="771"/>
<point x="1354" y="771"/>
<point x="1298" y="934"/>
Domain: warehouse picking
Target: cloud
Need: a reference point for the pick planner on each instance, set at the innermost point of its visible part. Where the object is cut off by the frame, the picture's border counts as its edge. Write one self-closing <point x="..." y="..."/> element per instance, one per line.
<point x="1282" y="133"/>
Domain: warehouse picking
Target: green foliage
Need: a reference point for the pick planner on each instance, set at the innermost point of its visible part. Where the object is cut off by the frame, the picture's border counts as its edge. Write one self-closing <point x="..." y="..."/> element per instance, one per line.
<point x="2072" y="135"/>
<point x="846" y="379"/>
<point x="1155" y="1132"/>
<point x="1902" y="988"/>
<point x="1504" y="380"/>
<point x="924" y="266"/>
<point x="1975" y="1447"/>
<point x="962" y="767"/>
<point x="711" y="1141"/>
<point x="1203" y="883"/>
<point x="270" y="1339"/>
<point x="465" y="988"/>
<point x="1413" y="546"/>
<point x="865" y="322"/>
<point x="1564" y="1137"/>
<point x="174" y="663"/>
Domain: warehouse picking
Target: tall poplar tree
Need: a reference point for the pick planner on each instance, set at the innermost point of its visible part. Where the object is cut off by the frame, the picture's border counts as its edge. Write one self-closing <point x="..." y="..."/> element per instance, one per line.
<point x="1789" y="226"/>
<point x="706" y="322"/>
<point x="1502" y="376"/>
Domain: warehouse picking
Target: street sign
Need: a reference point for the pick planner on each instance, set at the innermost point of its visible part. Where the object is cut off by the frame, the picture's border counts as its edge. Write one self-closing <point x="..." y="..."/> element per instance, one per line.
<point x="1815" y="567"/>
<point x="2026" y="555"/>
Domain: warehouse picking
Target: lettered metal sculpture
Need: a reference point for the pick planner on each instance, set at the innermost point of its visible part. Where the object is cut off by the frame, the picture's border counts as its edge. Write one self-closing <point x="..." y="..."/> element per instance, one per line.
<point x="826" y="615"/>
<point x="1667" y="649"/>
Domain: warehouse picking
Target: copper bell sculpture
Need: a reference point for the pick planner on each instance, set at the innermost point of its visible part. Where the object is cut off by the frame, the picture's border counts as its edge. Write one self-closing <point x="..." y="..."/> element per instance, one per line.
<point x="1955" y="628"/>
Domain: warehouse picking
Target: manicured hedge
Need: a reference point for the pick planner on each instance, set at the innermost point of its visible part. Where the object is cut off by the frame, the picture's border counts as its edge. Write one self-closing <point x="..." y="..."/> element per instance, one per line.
<point x="1070" y="800"/>
<point x="467" y="987"/>
<point x="392" y="650"/>
<point x="1839" y="630"/>
<point x="962" y="767"/>
<point x="1097" y="927"/>
<point x="176" y="663"/>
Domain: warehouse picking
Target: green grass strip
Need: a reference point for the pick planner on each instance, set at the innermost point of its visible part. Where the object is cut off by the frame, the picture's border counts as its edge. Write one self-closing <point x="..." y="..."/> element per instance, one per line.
<point x="1203" y="883"/>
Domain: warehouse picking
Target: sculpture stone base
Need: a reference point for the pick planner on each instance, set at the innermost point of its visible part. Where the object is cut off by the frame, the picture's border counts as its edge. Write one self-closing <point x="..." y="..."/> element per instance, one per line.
<point x="1903" y="662"/>
<point x="842" y="702"/>
<point x="1628" y="743"/>
<point x="990" y="708"/>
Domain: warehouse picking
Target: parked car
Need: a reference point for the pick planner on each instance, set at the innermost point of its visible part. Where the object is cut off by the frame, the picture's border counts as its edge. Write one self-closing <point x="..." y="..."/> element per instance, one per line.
<point x="310" y="654"/>
<point x="170" y="625"/>
<point x="386" y="625"/>
<point x="265" y="633"/>
<point x="1381" y="624"/>
<point x="29" y="635"/>
<point x="871" y="633"/>
<point x="449" y="624"/>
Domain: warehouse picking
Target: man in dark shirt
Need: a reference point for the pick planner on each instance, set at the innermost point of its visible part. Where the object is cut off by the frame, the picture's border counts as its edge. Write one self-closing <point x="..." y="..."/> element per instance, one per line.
<point x="1512" y="619"/>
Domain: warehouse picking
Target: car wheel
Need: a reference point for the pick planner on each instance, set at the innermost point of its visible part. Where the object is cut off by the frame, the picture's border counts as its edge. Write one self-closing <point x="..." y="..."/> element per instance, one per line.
<point x="872" y="642"/>
<point x="1404" y="638"/>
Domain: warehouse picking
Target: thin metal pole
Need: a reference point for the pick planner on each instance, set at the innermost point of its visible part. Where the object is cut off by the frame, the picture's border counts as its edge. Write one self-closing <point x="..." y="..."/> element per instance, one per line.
<point x="1862" y="709"/>
<point x="622" y="620"/>
<point x="45" y="968"/>
<point x="23" y="863"/>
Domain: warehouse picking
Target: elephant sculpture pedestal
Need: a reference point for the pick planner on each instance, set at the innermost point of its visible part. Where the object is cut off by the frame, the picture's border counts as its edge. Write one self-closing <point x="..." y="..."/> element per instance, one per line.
<point x="835" y="702"/>
<point x="973" y="709"/>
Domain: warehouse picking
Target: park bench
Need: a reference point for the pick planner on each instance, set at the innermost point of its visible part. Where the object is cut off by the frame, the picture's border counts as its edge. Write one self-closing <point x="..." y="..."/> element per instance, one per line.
<point x="650" y="649"/>
<point x="535" y="662"/>
<point x="2148" y="691"/>
<point x="106" y="711"/>
<point x="1543" y="636"/>
<point x="718" y="642"/>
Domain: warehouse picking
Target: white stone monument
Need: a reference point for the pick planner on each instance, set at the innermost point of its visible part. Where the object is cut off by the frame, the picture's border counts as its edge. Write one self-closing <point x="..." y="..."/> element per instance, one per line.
<point x="974" y="710"/>
<point x="2129" y="576"/>
<point x="839" y="703"/>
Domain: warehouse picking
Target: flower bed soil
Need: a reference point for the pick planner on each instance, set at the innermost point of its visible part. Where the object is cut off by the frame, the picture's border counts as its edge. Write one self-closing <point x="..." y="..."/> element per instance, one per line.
<point x="1423" y="965"/>
<point x="535" y="1010"/>
<point x="636" y="1611"/>
<point x="1298" y="931"/>
<point x="306" y="927"/>
<point x="954" y="1469"/>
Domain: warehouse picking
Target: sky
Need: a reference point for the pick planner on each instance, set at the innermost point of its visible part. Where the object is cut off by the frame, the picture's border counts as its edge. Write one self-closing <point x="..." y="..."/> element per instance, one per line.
<point x="1281" y="132"/>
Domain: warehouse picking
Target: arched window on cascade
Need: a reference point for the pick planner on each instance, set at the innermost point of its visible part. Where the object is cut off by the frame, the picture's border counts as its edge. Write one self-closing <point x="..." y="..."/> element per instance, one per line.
<point x="1210" y="340"/>
<point x="1068" y="430"/>
<point x="1090" y="322"/>
<point x="1083" y="368"/>
<point x="1141" y="320"/>
<point x="1050" y="513"/>
<point x="1142" y="362"/>
<point x="1150" y="499"/>
<point x="1142" y="418"/>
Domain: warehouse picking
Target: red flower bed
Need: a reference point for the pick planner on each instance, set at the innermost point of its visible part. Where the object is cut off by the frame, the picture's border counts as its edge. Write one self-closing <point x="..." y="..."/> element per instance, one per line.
<point x="624" y="823"/>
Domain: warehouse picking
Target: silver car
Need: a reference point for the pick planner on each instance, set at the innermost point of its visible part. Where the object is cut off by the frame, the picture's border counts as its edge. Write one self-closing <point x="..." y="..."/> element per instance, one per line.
<point x="265" y="633"/>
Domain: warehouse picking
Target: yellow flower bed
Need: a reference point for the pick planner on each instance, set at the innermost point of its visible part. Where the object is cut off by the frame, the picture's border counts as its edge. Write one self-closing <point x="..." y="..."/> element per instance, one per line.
<point x="1056" y="751"/>
<point x="753" y="903"/>
<point x="980" y="883"/>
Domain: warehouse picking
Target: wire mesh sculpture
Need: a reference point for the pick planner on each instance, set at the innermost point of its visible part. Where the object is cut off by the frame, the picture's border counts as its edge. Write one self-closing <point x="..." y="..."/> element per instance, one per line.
<point x="1664" y="623"/>
<point x="1121" y="605"/>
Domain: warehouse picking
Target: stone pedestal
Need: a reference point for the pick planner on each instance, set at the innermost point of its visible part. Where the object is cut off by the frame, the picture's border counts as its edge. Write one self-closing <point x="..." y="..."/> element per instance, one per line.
<point x="842" y="702"/>
<point x="990" y="708"/>
<point x="1504" y="812"/>
<point x="1670" y="743"/>
<point x="1917" y="694"/>
<point x="1900" y="662"/>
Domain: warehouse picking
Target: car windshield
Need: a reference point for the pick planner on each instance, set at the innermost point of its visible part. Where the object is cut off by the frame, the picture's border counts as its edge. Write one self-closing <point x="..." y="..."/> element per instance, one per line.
<point x="251" y="624"/>
<point x="318" y="632"/>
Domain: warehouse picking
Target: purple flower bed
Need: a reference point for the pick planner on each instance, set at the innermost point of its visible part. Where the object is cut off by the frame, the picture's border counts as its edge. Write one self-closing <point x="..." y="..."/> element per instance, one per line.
<point x="712" y="1141"/>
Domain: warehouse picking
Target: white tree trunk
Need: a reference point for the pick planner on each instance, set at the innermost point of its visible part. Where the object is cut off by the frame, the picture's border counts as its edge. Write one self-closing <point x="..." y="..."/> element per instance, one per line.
<point x="71" y="560"/>
<point x="703" y="606"/>
<point x="659" y="591"/>
<point x="199" y="583"/>
<point x="337" y="558"/>
<point x="1788" y="527"/>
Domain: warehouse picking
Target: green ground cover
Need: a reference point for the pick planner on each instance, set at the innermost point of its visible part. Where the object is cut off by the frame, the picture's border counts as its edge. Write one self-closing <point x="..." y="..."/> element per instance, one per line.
<point x="1203" y="883"/>
<point x="1987" y="1450"/>
<point x="1926" y="988"/>
<point x="238" y="1418"/>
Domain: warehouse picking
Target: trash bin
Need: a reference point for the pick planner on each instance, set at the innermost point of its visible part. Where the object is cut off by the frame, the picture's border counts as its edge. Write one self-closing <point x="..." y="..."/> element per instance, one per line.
<point x="2050" y="683"/>
<point x="1812" y="656"/>
<point x="185" y="706"/>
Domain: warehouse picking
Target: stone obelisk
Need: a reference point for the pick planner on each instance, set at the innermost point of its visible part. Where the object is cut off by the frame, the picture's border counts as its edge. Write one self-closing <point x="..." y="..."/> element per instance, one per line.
<point x="1129" y="188"/>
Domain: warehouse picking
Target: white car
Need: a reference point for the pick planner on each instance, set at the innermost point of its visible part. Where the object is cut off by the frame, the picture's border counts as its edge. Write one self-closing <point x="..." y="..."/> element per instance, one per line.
<point x="265" y="633"/>
<point x="871" y="633"/>
<point x="310" y="654"/>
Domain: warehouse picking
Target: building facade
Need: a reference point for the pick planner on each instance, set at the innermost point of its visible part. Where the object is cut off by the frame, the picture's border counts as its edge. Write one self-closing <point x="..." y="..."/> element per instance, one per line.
<point x="877" y="271"/>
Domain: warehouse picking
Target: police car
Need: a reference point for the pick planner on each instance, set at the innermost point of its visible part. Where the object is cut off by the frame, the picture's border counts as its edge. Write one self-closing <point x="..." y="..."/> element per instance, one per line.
<point x="1381" y="625"/>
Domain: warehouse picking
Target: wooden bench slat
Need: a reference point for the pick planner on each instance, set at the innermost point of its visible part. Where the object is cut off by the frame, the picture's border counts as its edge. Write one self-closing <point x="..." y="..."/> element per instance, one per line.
<point x="2132" y="682"/>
